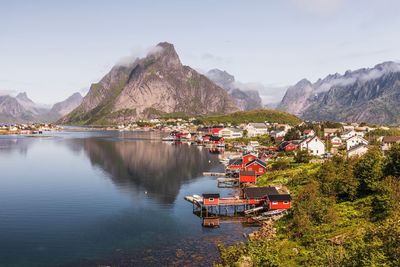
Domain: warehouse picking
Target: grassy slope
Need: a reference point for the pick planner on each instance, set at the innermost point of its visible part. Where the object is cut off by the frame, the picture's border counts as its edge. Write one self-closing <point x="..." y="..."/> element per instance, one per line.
<point x="350" y="219"/>
<point x="258" y="115"/>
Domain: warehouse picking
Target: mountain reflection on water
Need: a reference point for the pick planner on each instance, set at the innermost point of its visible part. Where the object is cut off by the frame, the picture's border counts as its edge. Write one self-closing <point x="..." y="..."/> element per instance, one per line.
<point x="105" y="198"/>
<point x="158" y="168"/>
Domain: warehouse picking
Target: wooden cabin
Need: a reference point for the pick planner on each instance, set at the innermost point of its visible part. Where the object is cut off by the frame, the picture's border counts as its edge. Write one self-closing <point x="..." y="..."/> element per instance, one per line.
<point x="247" y="177"/>
<point x="235" y="164"/>
<point x="280" y="201"/>
<point x="257" y="165"/>
<point x="211" y="199"/>
<point x="268" y="195"/>
<point x="257" y="195"/>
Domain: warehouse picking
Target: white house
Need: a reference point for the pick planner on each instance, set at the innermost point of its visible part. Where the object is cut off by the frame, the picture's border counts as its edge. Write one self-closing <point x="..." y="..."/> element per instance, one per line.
<point x="256" y="129"/>
<point x="357" y="150"/>
<point x="314" y="145"/>
<point x="388" y="141"/>
<point x="354" y="141"/>
<point x="230" y="133"/>
<point x="277" y="134"/>
<point x="348" y="134"/>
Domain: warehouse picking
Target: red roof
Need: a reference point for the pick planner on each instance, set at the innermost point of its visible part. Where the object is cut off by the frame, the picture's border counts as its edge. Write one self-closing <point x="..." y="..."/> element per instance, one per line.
<point x="215" y="130"/>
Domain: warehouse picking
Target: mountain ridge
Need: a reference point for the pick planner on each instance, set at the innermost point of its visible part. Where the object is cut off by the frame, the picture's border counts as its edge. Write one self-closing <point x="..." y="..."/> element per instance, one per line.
<point x="158" y="83"/>
<point x="245" y="99"/>
<point x="363" y="95"/>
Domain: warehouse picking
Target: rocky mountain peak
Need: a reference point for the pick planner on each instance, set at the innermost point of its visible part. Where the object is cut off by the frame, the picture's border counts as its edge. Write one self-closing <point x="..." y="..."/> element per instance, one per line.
<point x="244" y="97"/>
<point x="166" y="54"/>
<point x="222" y="78"/>
<point x="303" y="83"/>
<point x="366" y="94"/>
<point x="24" y="97"/>
<point x="153" y="85"/>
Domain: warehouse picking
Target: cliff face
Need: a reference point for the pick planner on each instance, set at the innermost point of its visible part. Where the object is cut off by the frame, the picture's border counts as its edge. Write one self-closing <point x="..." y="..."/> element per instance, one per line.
<point x="245" y="99"/>
<point x="148" y="87"/>
<point x="365" y="95"/>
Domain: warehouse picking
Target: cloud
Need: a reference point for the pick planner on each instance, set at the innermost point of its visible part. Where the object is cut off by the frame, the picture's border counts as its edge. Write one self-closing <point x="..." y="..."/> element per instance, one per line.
<point x="215" y="60"/>
<point x="138" y="52"/>
<point x="270" y="93"/>
<point x="361" y="75"/>
<point x="319" y="7"/>
<point x="7" y="92"/>
<point x="84" y="91"/>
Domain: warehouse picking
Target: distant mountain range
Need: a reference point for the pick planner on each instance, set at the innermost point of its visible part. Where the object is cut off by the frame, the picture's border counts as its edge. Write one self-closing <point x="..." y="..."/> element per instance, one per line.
<point x="365" y="95"/>
<point x="21" y="109"/>
<point x="149" y="87"/>
<point x="245" y="99"/>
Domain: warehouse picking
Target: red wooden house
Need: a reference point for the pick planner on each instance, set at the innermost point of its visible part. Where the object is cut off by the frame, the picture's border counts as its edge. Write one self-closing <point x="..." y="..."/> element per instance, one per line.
<point x="257" y="165"/>
<point x="279" y="201"/>
<point x="257" y="195"/>
<point x="268" y="195"/>
<point x="211" y="199"/>
<point x="247" y="177"/>
<point x="235" y="164"/>
<point x="247" y="157"/>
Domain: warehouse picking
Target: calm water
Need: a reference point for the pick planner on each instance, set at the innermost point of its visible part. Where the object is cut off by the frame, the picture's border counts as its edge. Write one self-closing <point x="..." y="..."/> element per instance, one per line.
<point x="86" y="199"/>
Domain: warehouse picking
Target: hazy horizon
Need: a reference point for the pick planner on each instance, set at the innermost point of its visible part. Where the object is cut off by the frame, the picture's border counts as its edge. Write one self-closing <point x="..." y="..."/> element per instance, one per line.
<point x="55" y="49"/>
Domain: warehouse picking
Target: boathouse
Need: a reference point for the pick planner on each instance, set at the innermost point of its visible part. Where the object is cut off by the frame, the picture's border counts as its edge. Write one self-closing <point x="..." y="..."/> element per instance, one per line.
<point x="247" y="177"/>
<point x="235" y="164"/>
<point x="268" y="195"/>
<point x="211" y="199"/>
<point x="280" y="201"/>
<point x="257" y="165"/>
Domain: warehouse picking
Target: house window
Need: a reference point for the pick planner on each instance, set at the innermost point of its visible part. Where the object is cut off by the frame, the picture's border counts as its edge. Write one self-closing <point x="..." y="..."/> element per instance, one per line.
<point x="260" y="169"/>
<point x="285" y="202"/>
<point x="211" y="199"/>
<point x="274" y="203"/>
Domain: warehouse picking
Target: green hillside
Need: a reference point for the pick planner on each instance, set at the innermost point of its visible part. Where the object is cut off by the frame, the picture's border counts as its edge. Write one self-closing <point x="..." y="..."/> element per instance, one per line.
<point x="345" y="213"/>
<point x="258" y="115"/>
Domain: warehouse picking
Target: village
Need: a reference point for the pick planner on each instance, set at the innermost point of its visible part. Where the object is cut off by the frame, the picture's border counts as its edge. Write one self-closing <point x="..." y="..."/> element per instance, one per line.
<point x="27" y="128"/>
<point x="248" y="150"/>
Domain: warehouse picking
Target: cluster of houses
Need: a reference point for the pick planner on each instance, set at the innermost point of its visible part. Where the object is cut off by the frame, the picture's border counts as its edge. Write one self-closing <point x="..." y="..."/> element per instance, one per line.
<point x="349" y="138"/>
<point x="36" y="128"/>
<point x="247" y="165"/>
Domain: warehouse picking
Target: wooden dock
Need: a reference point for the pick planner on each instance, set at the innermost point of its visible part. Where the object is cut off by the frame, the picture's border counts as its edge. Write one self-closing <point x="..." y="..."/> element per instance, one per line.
<point x="221" y="174"/>
<point x="227" y="182"/>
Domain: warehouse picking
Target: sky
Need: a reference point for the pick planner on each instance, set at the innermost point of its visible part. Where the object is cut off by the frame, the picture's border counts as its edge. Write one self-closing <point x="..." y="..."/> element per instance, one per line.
<point x="51" y="49"/>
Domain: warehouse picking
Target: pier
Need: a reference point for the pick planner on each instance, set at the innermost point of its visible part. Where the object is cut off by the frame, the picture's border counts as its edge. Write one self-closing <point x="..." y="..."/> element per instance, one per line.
<point x="224" y="206"/>
<point x="227" y="182"/>
<point x="221" y="174"/>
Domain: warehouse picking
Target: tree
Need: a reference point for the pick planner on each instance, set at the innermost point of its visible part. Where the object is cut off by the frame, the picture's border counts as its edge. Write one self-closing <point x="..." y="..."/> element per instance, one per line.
<point x="302" y="156"/>
<point x="392" y="166"/>
<point x="387" y="199"/>
<point x="369" y="170"/>
<point x="337" y="179"/>
<point x="292" y="134"/>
